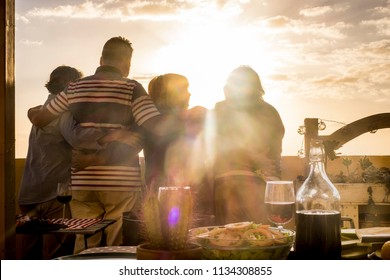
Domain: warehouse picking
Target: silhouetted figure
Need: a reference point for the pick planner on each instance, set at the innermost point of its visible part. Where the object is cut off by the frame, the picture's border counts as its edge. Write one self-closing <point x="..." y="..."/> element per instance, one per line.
<point x="247" y="145"/>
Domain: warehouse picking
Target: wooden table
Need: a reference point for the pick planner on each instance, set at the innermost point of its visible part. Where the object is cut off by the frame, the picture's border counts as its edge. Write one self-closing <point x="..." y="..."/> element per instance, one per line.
<point x="86" y="232"/>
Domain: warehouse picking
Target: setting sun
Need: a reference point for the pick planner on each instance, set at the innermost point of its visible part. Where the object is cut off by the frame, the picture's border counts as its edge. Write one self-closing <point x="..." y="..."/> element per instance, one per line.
<point x="207" y="52"/>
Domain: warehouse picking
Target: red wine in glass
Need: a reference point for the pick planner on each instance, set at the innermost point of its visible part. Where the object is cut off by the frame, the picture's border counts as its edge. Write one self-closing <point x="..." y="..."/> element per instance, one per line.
<point x="280" y="212"/>
<point x="280" y="202"/>
<point x="64" y="198"/>
<point x="64" y="195"/>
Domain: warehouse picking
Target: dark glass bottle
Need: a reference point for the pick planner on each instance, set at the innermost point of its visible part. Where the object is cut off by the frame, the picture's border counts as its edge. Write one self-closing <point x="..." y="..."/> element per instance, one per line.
<point x="318" y="217"/>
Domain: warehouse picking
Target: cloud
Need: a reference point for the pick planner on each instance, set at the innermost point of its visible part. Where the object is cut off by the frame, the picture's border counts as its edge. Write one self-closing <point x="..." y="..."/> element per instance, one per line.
<point x="360" y="72"/>
<point x="323" y="10"/>
<point x="108" y="9"/>
<point x="383" y="10"/>
<point x="278" y="21"/>
<point x="341" y="7"/>
<point x="31" y="43"/>
<point x="87" y="9"/>
<point x="279" y="77"/>
<point x="335" y="31"/>
<point x="332" y="80"/>
<point x="316" y="11"/>
<point x="367" y="81"/>
<point x="377" y="48"/>
<point x="301" y="27"/>
<point x="141" y="9"/>
<point x="23" y="19"/>
<point x="145" y="78"/>
<point x="382" y="25"/>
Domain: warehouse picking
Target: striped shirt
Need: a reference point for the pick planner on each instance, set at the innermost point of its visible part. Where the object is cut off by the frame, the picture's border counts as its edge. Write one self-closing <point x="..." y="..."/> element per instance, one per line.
<point x="106" y="100"/>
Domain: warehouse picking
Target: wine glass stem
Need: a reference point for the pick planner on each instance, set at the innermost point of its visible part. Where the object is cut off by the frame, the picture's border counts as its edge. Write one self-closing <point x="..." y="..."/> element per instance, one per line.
<point x="63" y="214"/>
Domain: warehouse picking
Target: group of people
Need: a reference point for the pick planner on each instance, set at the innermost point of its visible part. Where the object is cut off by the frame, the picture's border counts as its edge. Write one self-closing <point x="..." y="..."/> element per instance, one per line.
<point x="92" y="129"/>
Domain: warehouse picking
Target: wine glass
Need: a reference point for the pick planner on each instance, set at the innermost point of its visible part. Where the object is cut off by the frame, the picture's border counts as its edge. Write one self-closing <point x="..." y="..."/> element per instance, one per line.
<point x="280" y="202"/>
<point x="64" y="195"/>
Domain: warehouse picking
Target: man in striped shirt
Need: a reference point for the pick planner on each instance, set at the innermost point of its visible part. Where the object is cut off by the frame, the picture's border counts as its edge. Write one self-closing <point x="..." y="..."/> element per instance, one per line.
<point x="107" y="101"/>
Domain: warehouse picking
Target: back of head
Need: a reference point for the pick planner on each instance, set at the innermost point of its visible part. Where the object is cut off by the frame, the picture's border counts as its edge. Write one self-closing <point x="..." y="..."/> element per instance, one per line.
<point x="61" y="77"/>
<point x="243" y="83"/>
<point x="169" y="92"/>
<point x="117" y="50"/>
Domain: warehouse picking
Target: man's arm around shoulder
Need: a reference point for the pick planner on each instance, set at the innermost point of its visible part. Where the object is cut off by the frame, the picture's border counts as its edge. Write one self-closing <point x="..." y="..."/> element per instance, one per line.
<point x="40" y="116"/>
<point x="164" y="124"/>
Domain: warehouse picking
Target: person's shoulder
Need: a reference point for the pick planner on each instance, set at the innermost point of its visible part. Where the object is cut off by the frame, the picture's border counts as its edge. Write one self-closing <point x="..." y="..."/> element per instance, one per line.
<point x="272" y="114"/>
<point x="73" y="86"/>
<point x="136" y="88"/>
<point x="84" y="81"/>
<point x="196" y="114"/>
<point x="267" y="106"/>
<point x="198" y="110"/>
<point x="85" y="78"/>
<point x="220" y="105"/>
<point x="133" y="82"/>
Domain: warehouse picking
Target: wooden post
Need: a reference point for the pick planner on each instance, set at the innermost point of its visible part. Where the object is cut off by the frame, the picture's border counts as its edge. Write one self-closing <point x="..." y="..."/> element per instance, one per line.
<point x="7" y="130"/>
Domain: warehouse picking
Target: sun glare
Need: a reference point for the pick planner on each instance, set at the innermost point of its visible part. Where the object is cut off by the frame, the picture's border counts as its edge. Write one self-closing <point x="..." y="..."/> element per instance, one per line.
<point x="207" y="53"/>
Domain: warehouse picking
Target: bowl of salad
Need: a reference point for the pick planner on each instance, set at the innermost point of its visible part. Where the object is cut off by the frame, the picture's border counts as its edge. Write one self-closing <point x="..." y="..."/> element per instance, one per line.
<point x="243" y="241"/>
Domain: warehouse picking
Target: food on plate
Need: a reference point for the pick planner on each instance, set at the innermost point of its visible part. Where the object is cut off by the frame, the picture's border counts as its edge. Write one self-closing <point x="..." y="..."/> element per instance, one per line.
<point x="238" y="226"/>
<point x="259" y="236"/>
<point x="224" y="237"/>
<point x="385" y="251"/>
<point x="242" y="234"/>
<point x="243" y="241"/>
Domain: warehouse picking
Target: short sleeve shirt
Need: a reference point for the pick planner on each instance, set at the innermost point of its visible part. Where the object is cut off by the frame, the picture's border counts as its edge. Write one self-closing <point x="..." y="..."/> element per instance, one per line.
<point x="105" y="100"/>
<point x="109" y="101"/>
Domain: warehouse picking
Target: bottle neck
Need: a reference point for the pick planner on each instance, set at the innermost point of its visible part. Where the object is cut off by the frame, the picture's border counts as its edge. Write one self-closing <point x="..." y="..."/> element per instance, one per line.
<point x="318" y="167"/>
<point x="318" y="192"/>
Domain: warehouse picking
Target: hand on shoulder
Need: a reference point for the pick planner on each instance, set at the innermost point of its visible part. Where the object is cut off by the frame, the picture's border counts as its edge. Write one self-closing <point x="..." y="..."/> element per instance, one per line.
<point x="195" y="114"/>
<point x="194" y="119"/>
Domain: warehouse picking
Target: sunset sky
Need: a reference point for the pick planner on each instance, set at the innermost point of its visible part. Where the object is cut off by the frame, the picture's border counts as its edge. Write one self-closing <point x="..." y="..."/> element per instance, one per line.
<point x="316" y="59"/>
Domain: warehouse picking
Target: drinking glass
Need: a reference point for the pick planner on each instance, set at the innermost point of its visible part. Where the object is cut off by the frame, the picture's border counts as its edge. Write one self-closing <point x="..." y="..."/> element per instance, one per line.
<point x="174" y="204"/>
<point x="280" y="202"/>
<point x="64" y="195"/>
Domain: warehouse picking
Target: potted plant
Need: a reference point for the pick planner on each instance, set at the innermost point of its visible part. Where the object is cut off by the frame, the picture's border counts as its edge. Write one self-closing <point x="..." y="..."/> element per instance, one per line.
<point x="365" y="175"/>
<point x="166" y="218"/>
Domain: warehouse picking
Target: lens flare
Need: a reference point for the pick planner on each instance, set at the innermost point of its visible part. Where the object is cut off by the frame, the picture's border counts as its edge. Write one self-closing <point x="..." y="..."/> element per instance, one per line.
<point x="173" y="216"/>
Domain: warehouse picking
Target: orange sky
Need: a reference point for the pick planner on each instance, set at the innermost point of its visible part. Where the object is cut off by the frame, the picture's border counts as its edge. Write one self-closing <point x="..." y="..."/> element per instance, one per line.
<point x="317" y="59"/>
